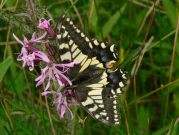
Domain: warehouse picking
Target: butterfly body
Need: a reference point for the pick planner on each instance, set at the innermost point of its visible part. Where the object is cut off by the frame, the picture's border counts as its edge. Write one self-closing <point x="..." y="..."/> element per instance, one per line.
<point x="96" y="82"/>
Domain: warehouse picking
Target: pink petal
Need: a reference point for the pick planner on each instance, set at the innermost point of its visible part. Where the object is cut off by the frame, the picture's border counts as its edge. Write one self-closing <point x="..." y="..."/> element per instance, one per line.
<point x="24" y="63"/>
<point x="47" y="86"/>
<point x="18" y="40"/>
<point x="59" y="74"/>
<point x="62" y="112"/>
<point x="26" y="41"/>
<point x="61" y="84"/>
<point x="41" y="37"/>
<point x="43" y="56"/>
<point x="71" y="64"/>
<point x="40" y="81"/>
<point x="48" y="92"/>
<point x="73" y="102"/>
<point x="33" y="36"/>
<point x="42" y="77"/>
<point x="43" y="73"/>
<point x="49" y="78"/>
<point x="43" y="23"/>
<point x="31" y="68"/>
<point x="38" y="78"/>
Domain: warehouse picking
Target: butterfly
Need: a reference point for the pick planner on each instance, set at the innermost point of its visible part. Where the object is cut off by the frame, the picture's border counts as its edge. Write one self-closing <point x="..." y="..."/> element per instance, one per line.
<point x="97" y="81"/>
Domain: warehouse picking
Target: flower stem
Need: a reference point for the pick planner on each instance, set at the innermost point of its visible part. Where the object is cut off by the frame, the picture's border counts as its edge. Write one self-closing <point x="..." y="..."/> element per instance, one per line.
<point x="49" y="115"/>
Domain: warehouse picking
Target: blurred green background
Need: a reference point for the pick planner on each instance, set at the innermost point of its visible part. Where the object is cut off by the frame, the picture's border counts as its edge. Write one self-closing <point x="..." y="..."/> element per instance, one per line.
<point x="147" y="31"/>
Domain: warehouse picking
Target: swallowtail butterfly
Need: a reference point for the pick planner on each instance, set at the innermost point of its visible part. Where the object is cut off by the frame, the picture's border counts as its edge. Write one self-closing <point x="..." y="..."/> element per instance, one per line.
<point x="97" y="83"/>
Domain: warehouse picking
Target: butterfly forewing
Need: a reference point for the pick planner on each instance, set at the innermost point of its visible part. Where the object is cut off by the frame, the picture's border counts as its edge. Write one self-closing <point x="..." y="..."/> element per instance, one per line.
<point x="95" y="88"/>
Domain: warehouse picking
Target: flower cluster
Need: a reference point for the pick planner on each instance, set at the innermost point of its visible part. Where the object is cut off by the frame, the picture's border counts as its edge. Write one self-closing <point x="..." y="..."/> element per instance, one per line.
<point x="61" y="101"/>
<point x="32" y="54"/>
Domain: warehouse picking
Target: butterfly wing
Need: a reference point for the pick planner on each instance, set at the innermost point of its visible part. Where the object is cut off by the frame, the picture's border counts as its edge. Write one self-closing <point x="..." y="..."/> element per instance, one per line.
<point x="95" y="88"/>
<point x="98" y="96"/>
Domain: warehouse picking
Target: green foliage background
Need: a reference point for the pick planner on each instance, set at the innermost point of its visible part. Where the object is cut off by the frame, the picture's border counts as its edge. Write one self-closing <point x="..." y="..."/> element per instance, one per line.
<point x="151" y="103"/>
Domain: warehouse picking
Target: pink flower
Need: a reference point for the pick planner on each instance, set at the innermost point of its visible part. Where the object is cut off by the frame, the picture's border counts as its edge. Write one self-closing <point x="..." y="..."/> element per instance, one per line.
<point x="42" y="56"/>
<point x="61" y="101"/>
<point x="28" y="59"/>
<point x="62" y="106"/>
<point x="28" y="43"/>
<point x="29" y="53"/>
<point x="55" y="71"/>
<point x="45" y="25"/>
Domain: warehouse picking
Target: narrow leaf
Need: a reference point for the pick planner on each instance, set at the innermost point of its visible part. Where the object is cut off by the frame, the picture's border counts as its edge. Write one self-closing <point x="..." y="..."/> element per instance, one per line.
<point x="170" y="11"/>
<point x="108" y="26"/>
<point x="4" y="66"/>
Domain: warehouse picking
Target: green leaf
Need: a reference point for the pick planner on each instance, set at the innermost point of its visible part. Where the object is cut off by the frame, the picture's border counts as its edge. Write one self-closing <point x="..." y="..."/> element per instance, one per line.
<point x="131" y="57"/>
<point x="3" y="2"/>
<point x="4" y="66"/>
<point x="170" y="11"/>
<point x="162" y="130"/>
<point x="93" y="19"/>
<point x="173" y="128"/>
<point x="20" y="83"/>
<point x="176" y="101"/>
<point x="108" y="26"/>
<point x="143" y="117"/>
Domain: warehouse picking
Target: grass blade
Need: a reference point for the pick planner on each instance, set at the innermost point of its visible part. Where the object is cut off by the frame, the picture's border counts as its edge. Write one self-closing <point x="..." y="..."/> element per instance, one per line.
<point x="170" y="11"/>
<point x="108" y="26"/>
<point x="4" y="66"/>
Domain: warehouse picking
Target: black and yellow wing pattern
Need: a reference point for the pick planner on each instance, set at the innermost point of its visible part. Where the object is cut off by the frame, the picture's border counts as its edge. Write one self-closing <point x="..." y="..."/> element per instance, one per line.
<point x="96" y="84"/>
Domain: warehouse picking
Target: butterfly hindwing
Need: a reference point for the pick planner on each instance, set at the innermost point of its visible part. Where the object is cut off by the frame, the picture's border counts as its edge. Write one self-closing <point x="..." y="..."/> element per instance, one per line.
<point x="96" y="96"/>
<point x="95" y="88"/>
